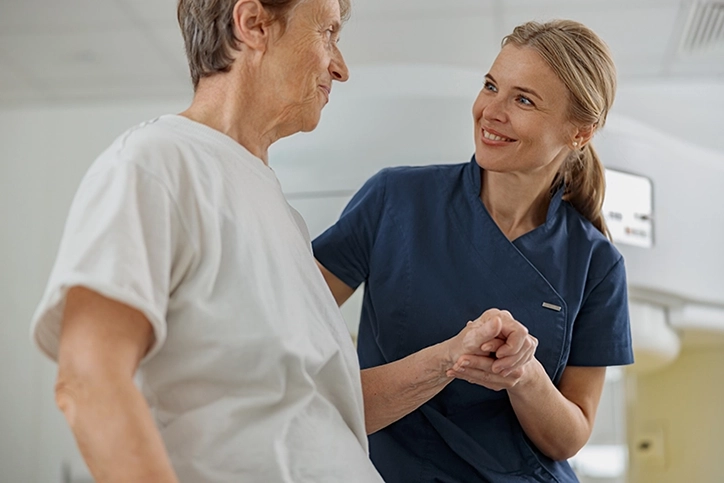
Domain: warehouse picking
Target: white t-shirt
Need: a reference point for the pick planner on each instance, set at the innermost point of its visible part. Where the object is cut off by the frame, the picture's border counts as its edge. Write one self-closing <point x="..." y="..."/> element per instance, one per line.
<point x="253" y="376"/>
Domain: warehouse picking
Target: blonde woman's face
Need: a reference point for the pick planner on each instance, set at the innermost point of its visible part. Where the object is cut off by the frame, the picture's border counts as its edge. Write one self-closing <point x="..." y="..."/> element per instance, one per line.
<point x="521" y="115"/>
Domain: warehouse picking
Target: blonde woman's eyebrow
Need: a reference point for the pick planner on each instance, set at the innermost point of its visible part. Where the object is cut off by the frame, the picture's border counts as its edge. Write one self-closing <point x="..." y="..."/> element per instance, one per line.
<point x="521" y="89"/>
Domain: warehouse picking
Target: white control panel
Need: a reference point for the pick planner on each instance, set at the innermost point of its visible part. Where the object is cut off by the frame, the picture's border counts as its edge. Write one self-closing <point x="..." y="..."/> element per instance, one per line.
<point x="628" y="208"/>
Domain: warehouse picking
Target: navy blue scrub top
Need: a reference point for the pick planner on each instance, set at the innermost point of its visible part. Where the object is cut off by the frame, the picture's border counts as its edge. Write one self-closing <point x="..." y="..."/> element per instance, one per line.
<point x="432" y="259"/>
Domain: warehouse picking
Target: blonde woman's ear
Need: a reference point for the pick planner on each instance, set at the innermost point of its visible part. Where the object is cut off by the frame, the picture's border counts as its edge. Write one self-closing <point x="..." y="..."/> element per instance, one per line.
<point x="584" y="135"/>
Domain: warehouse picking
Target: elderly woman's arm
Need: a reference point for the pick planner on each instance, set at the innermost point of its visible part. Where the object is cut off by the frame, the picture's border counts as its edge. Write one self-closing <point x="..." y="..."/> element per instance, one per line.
<point x="101" y="345"/>
<point x="393" y="390"/>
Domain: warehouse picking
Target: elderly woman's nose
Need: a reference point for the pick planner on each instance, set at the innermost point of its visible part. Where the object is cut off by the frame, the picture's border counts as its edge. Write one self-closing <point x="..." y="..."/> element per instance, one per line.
<point x="338" y="68"/>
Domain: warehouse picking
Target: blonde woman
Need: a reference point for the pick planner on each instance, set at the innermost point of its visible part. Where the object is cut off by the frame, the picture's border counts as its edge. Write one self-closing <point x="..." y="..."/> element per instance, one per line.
<point x="517" y="231"/>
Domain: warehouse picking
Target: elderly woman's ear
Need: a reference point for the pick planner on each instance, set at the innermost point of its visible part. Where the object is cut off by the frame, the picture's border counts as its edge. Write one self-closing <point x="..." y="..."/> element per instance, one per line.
<point x="251" y="24"/>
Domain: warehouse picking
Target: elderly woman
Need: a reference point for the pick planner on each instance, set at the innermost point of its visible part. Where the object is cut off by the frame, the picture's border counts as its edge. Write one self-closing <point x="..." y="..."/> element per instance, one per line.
<point x="520" y="228"/>
<point x="182" y="258"/>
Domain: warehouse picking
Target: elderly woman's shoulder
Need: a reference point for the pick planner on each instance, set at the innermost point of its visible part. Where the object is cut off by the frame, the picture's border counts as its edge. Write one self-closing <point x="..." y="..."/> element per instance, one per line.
<point x="154" y="148"/>
<point x="149" y="136"/>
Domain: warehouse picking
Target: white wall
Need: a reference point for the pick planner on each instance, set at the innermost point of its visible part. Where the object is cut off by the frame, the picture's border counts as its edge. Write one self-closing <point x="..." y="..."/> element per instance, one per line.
<point x="379" y="120"/>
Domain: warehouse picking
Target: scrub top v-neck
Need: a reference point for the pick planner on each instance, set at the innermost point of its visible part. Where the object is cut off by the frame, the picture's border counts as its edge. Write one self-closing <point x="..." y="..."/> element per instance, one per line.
<point x="432" y="258"/>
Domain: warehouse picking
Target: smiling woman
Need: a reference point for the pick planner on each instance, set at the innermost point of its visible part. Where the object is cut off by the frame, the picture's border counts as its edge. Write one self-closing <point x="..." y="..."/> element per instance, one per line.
<point x="515" y="234"/>
<point x="182" y="260"/>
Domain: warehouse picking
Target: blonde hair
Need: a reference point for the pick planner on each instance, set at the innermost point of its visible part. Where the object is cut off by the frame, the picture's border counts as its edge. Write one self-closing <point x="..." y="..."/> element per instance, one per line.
<point x="583" y="62"/>
<point x="208" y="31"/>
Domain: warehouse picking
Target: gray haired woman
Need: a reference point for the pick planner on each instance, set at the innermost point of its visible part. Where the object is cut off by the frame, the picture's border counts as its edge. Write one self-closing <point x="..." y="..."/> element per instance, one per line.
<point x="182" y="261"/>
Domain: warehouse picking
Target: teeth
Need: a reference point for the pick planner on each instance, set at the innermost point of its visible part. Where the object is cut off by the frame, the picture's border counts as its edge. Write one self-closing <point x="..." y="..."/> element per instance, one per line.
<point x="493" y="137"/>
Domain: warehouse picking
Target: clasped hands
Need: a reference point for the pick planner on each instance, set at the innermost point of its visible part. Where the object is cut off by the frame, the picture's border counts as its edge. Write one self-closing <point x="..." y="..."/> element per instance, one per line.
<point x="493" y="351"/>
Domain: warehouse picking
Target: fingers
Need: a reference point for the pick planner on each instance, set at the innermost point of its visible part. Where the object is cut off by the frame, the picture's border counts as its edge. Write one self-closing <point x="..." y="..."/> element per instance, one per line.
<point x="513" y="346"/>
<point x="465" y="362"/>
<point x="514" y="333"/>
<point x="493" y="345"/>
<point x="496" y="331"/>
<point x="478" y="370"/>
<point x="507" y="364"/>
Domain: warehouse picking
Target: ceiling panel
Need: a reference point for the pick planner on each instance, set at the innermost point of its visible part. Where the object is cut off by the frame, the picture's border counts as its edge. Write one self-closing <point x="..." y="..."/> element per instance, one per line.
<point x="629" y="31"/>
<point x="85" y="59"/>
<point x="704" y="62"/>
<point x="638" y="67"/>
<point x="465" y="42"/>
<point x="63" y="49"/>
<point x="421" y="8"/>
<point x="36" y="16"/>
<point x="617" y="5"/>
<point x="639" y="37"/>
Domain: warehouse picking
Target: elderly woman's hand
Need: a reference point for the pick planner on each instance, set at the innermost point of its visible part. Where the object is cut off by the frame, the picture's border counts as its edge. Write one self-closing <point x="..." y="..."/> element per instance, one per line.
<point x="498" y="362"/>
<point x="473" y="336"/>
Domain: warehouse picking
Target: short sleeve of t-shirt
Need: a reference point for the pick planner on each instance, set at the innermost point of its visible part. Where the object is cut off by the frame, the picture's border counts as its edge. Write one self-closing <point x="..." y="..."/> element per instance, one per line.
<point x="601" y="331"/>
<point x="345" y="248"/>
<point x="120" y="240"/>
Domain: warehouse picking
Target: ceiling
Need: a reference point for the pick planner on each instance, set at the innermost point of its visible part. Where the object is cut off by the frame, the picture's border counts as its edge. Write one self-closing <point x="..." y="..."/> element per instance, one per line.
<point x="97" y="50"/>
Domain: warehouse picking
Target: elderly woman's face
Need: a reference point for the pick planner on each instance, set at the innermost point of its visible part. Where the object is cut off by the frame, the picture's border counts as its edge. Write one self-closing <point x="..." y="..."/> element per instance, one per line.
<point x="304" y="61"/>
<point x="521" y="115"/>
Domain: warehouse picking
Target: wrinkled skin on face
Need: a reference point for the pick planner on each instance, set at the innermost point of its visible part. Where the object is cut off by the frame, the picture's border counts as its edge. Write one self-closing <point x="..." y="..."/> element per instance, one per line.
<point x="303" y="61"/>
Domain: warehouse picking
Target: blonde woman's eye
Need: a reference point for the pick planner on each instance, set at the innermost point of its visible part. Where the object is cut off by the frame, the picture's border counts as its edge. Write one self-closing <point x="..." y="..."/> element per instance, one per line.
<point x="525" y="101"/>
<point x="490" y="87"/>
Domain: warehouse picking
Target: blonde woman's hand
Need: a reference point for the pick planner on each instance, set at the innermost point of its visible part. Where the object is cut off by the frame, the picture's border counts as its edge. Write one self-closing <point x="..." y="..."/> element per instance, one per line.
<point x="499" y="362"/>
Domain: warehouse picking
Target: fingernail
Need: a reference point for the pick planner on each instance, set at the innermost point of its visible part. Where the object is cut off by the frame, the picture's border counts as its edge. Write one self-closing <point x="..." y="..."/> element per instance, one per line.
<point x="466" y="363"/>
<point x="461" y="369"/>
<point x="486" y="347"/>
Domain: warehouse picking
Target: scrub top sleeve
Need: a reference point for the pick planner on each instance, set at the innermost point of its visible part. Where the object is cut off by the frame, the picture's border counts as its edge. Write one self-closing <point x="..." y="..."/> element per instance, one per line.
<point x="601" y="331"/>
<point x="124" y="240"/>
<point x="345" y="248"/>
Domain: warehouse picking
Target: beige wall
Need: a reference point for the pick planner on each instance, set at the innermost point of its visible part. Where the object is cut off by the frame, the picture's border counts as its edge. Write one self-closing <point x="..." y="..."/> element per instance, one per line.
<point x="676" y="420"/>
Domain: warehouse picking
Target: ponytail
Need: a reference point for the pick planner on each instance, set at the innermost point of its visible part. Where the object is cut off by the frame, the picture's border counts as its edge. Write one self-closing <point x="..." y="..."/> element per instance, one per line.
<point x="584" y="179"/>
